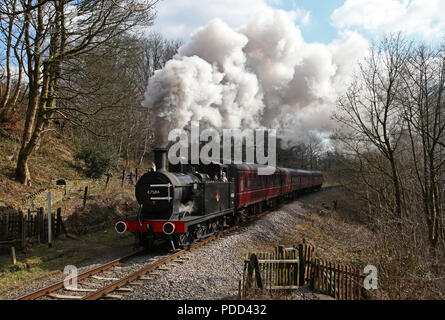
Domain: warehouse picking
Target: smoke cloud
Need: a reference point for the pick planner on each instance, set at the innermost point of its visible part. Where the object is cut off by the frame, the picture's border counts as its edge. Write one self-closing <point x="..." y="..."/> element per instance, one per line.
<point x="263" y="75"/>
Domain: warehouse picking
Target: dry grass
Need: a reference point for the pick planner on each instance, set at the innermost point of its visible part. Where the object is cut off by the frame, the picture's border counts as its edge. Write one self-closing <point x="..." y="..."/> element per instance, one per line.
<point x="41" y="263"/>
<point x="102" y="208"/>
<point x="341" y="236"/>
<point x="52" y="161"/>
<point x="335" y="234"/>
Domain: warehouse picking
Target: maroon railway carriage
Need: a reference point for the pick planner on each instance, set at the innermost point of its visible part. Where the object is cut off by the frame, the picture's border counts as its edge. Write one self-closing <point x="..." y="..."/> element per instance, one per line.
<point x="283" y="183"/>
<point x="186" y="203"/>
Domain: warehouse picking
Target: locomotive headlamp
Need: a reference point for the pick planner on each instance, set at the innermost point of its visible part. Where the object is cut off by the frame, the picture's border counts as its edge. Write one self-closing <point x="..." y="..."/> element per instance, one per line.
<point x="168" y="228"/>
<point x="120" y="227"/>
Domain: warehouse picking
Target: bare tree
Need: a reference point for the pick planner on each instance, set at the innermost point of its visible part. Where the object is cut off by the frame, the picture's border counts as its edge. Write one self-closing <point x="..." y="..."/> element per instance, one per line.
<point x="52" y="36"/>
<point x="11" y="38"/>
<point x="370" y="111"/>
<point x="424" y="110"/>
<point x="102" y="91"/>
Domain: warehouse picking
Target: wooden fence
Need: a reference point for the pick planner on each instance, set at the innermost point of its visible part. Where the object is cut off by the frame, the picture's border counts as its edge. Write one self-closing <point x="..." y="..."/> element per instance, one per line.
<point x="341" y="282"/>
<point x="291" y="268"/>
<point x="20" y="227"/>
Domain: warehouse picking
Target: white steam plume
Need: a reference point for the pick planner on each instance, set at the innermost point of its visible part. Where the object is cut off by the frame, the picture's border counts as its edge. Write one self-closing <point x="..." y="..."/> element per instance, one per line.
<point x="263" y="75"/>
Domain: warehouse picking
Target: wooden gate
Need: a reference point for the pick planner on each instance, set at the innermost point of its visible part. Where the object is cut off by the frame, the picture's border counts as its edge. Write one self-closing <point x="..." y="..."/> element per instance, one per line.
<point x="291" y="268"/>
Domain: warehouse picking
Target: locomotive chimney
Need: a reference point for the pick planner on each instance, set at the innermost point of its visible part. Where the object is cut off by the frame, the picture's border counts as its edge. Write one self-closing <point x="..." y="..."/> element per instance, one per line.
<point x="161" y="159"/>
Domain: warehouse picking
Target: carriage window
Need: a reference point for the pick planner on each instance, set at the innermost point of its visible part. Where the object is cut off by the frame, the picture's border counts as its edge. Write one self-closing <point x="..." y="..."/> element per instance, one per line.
<point x="242" y="184"/>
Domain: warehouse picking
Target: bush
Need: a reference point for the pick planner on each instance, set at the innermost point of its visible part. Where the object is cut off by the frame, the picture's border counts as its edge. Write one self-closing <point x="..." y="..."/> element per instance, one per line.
<point x="98" y="160"/>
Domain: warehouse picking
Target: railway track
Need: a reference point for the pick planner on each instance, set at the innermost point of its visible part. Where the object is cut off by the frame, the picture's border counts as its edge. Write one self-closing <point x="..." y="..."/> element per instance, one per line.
<point x="90" y="273"/>
<point x="120" y="284"/>
<point x="110" y="285"/>
<point x="104" y="276"/>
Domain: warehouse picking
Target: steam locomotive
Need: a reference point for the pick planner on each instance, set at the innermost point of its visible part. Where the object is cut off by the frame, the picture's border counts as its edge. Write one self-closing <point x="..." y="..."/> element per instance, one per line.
<point x="186" y="203"/>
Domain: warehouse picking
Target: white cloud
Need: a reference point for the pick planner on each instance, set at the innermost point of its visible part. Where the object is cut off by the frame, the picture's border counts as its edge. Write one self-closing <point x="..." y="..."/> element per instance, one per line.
<point x="302" y="16"/>
<point x="414" y="17"/>
<point x="178" y="18"/>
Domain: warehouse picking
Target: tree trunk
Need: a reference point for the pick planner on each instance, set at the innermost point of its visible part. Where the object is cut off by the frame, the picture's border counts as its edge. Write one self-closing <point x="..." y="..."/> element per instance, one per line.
<point x="22" y="172"/>
<point x="5" y="99"/>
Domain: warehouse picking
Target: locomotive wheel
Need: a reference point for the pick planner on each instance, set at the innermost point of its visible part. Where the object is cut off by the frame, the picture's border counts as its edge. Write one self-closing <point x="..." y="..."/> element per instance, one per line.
<point x="147" y="243"/>
<point x="185" y="239"/>
<point x="237" y="219"/>
<point x="214" y="227"/>
<point x="200" y="231"/>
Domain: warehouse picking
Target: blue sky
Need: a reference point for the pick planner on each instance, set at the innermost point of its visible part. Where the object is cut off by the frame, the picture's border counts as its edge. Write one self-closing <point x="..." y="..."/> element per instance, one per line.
<point x="319" y="20"/>
<point x="319" y="28"/>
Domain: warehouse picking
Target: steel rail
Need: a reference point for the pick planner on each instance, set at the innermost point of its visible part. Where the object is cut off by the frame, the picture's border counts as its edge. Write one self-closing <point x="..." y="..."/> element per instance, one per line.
<point x="59" y="285"/>
<point x="136" y="275"/>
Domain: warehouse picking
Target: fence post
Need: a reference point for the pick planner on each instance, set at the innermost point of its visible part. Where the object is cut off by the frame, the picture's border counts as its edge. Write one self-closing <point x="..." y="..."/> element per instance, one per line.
<point x="244" y="286"/>
<point x="108" y="180"/>
<point x="255" y="266"/>
<point x="280" y="250"/>
<point x="49" y="196"/>
<point x="249" y="275"/>
<point x="85" y="196"/>
<point x="342" y="279"/>
<point x="28" y="225"/>
<point x="347" y="283"/>
<point x="302" y="258"/>
<point x="6" y="226"/>
<point x="23" y="230"/>
<point x="58" y="222"/>
<point x="123" y="178"/>
<point x="13" y="258"/>
<point x="330" y="279"/>
<point x="53" y="226"/>
<point x="39" y="225"/>
<point x="137" y="175"/>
